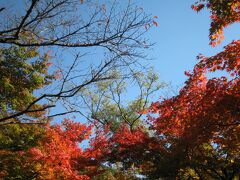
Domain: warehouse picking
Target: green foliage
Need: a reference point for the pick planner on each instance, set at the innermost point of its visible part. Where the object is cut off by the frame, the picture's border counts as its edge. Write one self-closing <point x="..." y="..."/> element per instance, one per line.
<point x="15" y="140"/>
<point x="108" y="102"/>
<point x="23" y="70"/>
<point x="17" y="137"/>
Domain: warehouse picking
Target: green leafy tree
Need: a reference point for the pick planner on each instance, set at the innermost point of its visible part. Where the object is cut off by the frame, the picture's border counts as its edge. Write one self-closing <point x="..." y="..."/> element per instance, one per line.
<point x="108" y="103"/>
<point x="23" y="70"/>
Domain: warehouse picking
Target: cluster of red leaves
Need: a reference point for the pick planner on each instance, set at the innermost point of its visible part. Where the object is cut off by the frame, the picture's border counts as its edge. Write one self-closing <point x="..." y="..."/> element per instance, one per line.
<point x="223" y="13"/>
<point x="99" y="145"/>
<point x="125" y="138"/>
<point x="203" y="106"/>
<point x="134" y="148"/>
<point x="59" y="155"/>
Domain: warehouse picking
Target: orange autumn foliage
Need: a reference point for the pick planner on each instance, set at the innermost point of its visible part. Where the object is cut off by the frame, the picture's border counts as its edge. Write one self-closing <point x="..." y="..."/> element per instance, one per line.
<point x="60" y="156"/>
<point x="223" y="14"/>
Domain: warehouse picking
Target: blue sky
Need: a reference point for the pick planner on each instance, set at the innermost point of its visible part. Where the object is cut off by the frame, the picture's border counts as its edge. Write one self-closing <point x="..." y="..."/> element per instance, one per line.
<point x="181" y="35"/>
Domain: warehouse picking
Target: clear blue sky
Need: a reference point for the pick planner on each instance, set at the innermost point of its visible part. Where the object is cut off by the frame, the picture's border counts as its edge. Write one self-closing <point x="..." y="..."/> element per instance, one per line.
<point x="181" y="35"/>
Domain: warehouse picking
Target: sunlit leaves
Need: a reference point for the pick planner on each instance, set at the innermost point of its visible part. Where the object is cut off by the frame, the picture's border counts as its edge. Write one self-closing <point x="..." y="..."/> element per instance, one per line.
<point x="223" y="13"/>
